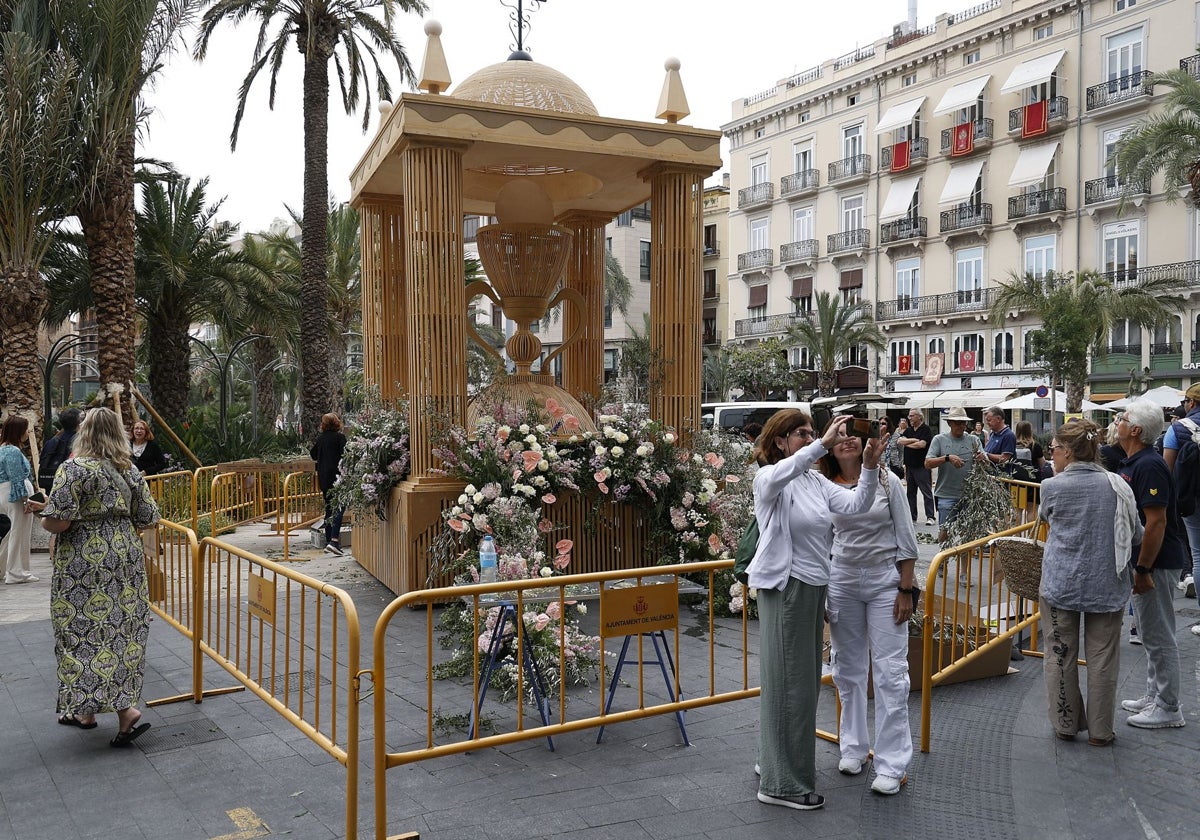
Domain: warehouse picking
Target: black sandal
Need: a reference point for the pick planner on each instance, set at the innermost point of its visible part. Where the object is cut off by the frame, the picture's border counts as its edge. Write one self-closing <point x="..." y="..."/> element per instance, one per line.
<point x="127" y="736"/>
<point x="71" y="720"/>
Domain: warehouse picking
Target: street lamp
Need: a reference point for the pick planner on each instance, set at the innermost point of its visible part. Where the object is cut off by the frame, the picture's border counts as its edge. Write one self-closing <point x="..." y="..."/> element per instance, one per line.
<point x="62" y="345"/>
<point x="223" y="366"/>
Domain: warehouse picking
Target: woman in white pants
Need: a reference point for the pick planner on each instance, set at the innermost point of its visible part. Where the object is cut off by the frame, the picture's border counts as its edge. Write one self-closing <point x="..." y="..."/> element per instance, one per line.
<point x="870" y="602"/>
<point x="16" y="483"/>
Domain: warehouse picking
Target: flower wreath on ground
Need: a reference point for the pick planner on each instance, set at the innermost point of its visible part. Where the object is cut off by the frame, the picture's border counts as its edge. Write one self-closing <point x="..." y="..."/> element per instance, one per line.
<point x="376" y="457"/>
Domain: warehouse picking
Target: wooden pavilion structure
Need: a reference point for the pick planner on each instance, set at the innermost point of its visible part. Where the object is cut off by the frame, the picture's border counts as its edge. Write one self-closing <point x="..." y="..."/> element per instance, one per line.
<point x="437" y="157"/>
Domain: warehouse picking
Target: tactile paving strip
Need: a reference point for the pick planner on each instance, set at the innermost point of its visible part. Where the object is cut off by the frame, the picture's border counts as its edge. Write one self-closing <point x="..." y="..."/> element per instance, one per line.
<point x="177" y="735"/>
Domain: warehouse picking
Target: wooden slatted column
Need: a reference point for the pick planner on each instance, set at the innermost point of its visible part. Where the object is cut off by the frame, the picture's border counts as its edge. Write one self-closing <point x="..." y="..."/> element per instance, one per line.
<point x="436" y="306"/>
<point x="676" y="218"/>
<point x="385" y="353"/>
<point x="583" y="363"/>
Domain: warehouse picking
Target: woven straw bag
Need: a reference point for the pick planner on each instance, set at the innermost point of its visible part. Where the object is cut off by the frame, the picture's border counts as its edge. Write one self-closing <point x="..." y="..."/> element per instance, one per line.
<point x="1021" y="560"/>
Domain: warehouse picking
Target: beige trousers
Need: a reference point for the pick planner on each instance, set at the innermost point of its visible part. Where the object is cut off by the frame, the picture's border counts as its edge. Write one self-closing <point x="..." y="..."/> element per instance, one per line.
<point x="1102" y="644"/>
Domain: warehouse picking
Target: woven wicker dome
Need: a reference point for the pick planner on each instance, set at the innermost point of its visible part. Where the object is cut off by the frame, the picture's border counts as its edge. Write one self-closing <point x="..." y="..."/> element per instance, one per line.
<point x="526" y="84"/>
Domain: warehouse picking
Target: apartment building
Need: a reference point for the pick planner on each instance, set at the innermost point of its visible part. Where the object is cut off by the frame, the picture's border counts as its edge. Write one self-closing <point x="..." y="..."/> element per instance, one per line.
<point x="915" y="172"/>
<point x="716" y="264"/>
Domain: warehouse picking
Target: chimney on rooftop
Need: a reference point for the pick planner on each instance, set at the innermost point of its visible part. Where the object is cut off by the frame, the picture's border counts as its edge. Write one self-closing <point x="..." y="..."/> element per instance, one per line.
<point x="912" y="15"/>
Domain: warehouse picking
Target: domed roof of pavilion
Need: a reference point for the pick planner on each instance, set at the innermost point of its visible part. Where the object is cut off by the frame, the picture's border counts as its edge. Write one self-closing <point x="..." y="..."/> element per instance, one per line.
<point x="526" y="84"/>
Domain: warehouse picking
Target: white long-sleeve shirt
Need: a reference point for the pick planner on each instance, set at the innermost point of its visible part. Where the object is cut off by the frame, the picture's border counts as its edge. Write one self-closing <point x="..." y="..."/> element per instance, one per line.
<point x="794" y="507"/>
<point x="881" y="535"/>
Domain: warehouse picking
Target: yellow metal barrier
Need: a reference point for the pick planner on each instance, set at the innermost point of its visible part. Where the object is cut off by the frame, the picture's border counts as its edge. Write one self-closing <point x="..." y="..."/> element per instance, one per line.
<point x="701" y="681"/>
<point x="175" y="495"/>
<point x="302" y="505"/>
<point x="202" y="494"/>
<point x="281" y="633"/>
<point x="1025" y="497"/>
<point x="963" y="632"/>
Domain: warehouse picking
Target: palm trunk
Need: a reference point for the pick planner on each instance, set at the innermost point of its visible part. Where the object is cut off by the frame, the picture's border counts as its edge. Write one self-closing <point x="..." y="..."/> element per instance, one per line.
<point x="825" y="383"/>
<point x="169" y="376"/>
<point x="1074" y="396"/>
<point x="265" y="354"/>
<point x="108" y="231"/>
<point x="337" y="371"/>
<point x="314" y="237"/>
<point x="24" y="296"/>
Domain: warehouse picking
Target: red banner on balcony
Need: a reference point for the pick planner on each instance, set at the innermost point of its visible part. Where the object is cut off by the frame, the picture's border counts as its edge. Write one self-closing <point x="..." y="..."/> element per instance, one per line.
<point x="966" y="361"/>
<point x="901" y="156"/>
<point x="1036" y="118"/>
<point x="904" y="365"/>
<point x="964" y="139"/>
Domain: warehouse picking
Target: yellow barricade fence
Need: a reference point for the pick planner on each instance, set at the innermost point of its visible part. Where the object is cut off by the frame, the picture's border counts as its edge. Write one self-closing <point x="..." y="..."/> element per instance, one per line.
<point x="302" y="505"/>
<point x="696" y="678"/>
<point x="290" y="639"/>
<point x="967" y="636"/>
<point x="175" y="495"/>
<point x="1025" y="496"/>
<point x="202" y="491"/>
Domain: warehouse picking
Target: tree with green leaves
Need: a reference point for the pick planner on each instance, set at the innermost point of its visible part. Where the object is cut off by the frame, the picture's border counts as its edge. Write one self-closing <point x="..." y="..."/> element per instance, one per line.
<point x="41" y="114"/>
<point x="758" y="369"/>
<point x="716" y="372"/>
<point x="348" y="33"/>
<point x="1077" y="312"/>
<point x="1167" y="141"/>
<point x="830" y="331"/>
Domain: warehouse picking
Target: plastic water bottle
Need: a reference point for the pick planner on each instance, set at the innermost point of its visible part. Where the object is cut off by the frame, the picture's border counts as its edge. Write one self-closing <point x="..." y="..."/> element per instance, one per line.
<point x="487" y="560"/>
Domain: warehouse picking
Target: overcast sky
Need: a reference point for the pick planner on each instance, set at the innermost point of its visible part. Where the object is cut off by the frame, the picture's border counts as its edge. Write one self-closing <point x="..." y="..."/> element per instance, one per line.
<point x="614" y="49"/>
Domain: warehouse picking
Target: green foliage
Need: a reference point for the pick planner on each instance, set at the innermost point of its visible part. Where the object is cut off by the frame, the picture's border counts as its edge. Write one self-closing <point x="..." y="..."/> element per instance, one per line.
<point x="759" y="369"/>
<point x="984" y="508"/>
<point x="717" y="373"/>
<point x="831" y="331"/>
<point x="1167" y="141"/>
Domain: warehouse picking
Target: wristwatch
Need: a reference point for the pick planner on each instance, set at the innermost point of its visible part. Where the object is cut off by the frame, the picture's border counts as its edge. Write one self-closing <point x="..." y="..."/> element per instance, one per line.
<point x="1142" y="570"/>
<point x="911" y="591"/>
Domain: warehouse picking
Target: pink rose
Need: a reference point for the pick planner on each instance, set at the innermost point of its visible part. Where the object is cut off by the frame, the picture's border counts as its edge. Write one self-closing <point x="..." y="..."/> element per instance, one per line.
<point x="542" y="621"/>
<point x="530" y="458"/>
<point x="552" y="609"/>
<point x="549" y="499"/>
<point x="556" y="410"/>
<point x="570" y="423"/>
<point x="714" y="543"/>
<point x="714" y="460"/>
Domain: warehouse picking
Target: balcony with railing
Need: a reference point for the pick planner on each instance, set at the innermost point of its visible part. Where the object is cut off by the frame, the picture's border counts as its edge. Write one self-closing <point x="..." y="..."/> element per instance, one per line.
<point x="641" y="212"/>
<point x="753" y="260"/>
<point x="932" y="306"/>
<point x="965" y="217"/>
<point x="770" y="325"/>
<point x="1165" y="348"/>
<point x="712" y="249"/>
<point x="804" y="251"/>
<point x="710" y="337"/>
<point x="711" y="292"/>
<point x="1186" y="274"/>
<point x="1191" y="66"/>
<point x="918" y="154"/>
<point x="799" y="183"/>
<point x="1111" y="188"/>
<point x="848" y="240"/>
<point x="903" y="230"/>
<point x="984" y="132"/>
<point x="755" y="195"/>
<point x="850" y="169"/>
<point x="1056" y="116"/>
<point x="1030" y="204"/>
<point x="1128" y="88"/>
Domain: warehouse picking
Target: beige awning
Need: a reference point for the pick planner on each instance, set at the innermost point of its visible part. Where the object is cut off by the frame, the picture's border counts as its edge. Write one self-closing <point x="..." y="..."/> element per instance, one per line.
<point x="899" y="197"/>
<point x="1032" y="163"/>
<point x="1033" y="72"/>
<point x="899" y="115"/>
<point x="961" y="183"/>
<point x="961" y="95"/>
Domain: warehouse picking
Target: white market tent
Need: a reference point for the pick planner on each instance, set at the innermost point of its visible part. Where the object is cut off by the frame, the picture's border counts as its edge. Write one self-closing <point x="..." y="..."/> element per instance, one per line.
<point x="1163" y="395"/>
<point x="1025" y="403"/>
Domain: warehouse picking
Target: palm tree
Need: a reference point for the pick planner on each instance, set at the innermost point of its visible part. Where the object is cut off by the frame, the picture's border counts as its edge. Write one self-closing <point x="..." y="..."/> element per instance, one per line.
<point x="1167" y="141"/>
<point x="40" y="117"/>
<point x="317" y="28"/>
<point x="717" y="372"/>
<point x="119" y="45"/>
<point x="830" y="332"/>
<point x="1077" y="313"/>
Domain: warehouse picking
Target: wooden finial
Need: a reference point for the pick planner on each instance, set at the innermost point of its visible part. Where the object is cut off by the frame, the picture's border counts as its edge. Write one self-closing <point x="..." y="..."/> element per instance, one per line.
<point x="435" y="75"/>
<point x="672" y="102"/>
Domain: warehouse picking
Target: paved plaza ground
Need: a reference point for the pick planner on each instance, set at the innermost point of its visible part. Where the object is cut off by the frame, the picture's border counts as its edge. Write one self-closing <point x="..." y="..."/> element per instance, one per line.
<point x="231" y="768"/>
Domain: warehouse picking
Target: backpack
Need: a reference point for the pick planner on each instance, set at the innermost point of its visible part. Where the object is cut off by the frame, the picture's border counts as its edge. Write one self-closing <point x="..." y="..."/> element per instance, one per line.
<point x="1187" y="470"/>
<point x="746" y="547"/>
<point x="58" y="450"/>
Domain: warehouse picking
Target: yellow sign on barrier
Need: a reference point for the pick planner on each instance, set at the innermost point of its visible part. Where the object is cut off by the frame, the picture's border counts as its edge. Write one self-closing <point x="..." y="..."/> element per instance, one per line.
<point x="262" y="598"/>
<point x="639" y="609"/>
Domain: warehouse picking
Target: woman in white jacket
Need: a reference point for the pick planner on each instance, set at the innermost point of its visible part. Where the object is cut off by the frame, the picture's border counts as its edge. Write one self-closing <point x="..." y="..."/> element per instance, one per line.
<point x="794" y="506"/>
<point x="871" y="598"/>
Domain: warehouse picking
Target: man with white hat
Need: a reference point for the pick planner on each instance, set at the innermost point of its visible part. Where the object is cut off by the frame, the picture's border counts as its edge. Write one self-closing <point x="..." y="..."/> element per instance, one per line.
<point x="951" y="454"/>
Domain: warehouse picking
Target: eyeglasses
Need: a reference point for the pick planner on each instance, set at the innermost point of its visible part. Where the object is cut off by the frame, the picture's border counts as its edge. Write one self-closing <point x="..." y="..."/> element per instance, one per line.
<point x="806" y="434"/>
<point x="1053" y="447"/>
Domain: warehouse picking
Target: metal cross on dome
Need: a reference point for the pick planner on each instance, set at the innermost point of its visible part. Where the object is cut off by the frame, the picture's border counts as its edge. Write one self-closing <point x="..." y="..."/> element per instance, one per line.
<point x="519" y="19"/>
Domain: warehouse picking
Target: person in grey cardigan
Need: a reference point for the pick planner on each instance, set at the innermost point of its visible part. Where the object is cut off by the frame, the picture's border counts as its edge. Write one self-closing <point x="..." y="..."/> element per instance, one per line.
<point x="1085" y="577"/>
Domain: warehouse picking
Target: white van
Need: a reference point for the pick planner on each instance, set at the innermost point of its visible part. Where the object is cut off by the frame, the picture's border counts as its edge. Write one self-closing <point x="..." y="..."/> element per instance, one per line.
<point x="732" y="416"/>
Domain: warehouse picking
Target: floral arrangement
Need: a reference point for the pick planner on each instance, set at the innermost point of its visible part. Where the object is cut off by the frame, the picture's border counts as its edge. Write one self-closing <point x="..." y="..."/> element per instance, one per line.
<point x="376" y="457"/>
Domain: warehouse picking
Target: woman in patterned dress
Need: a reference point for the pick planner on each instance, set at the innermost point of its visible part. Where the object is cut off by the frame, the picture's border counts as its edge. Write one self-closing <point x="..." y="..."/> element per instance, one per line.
<point x="99" y="602"/>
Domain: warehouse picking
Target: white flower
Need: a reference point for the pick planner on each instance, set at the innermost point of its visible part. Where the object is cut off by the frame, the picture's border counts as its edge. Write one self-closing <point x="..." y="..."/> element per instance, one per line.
<point x="541" y="427"/>
<point x="669" y="437"/>
<point x="622" y="437"/>
<point x="470" y="490"/>
<point x="538" y="481"/>
<point x="601" y="451"/>
<point x="582" y="608"/>
<point x="709" y="486"/>
<point x="543" y="465"/>
<point x="697" y="459"/>
<point x="546" y="571"/>
<point x="478" y="498"/>
<point x="456" y="510"/>
<point x="463" y="499"/>
<point x="573" y="439"/>
<point x="531" y="438"/>
<point x="643" y="451"/>
<point x="752" y="592"/>
<point x="617" y="451"/>
<point x="735" y="590"/>
<point x="523" y="428"/>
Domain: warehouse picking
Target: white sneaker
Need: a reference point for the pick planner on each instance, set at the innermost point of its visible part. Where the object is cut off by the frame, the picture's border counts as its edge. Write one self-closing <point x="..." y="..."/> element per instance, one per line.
<point x="1196" y="629"/>
<point x="1134" y="638"/>
<point x="888" y="785"/>
<point x="851" y="766"/>
<point x="1139" y="705"/>
<point x="757" y="770"/>
<point x="1184" y="583"/>
<point x="26" y="579"/>
<point x="930" y="521"/>
<point x="801" y="802"/>
<point x="1156" y="717"/>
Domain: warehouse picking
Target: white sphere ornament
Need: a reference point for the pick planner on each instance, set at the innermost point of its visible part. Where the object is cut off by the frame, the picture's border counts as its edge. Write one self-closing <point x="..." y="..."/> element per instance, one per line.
<point x="433" y="27"/>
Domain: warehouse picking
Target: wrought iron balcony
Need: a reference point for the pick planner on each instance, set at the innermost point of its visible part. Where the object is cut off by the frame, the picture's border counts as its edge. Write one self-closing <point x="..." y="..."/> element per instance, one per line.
<point x="1191" y="66"/>
<point x="903" y="229"/>
<point x="858" y="166"/>
<point x="1111" y="188"/>
<point x="712" y="249"/>
<point x="762" y="193"/>
<point x="805" y="250"/>
<point x="1186" y="273"/>
<point x="1030" y="204"/>
<point x="755" y="259"/>
<point x="984" y="130"/>
<point x="770" y="325"/>
<point x="711" y="337"/>
<point x="1056" y="115"/>
<point x="1128" y="87"/>
<point x="918" y="153"/>
<point x="965" y="217"/>
<point x="848" y="240"/>
<point x="799" y="183"/>
<point x="929" y="306"/>
<point x="1125" y="350"/>
<point x="1165" y="348"/>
